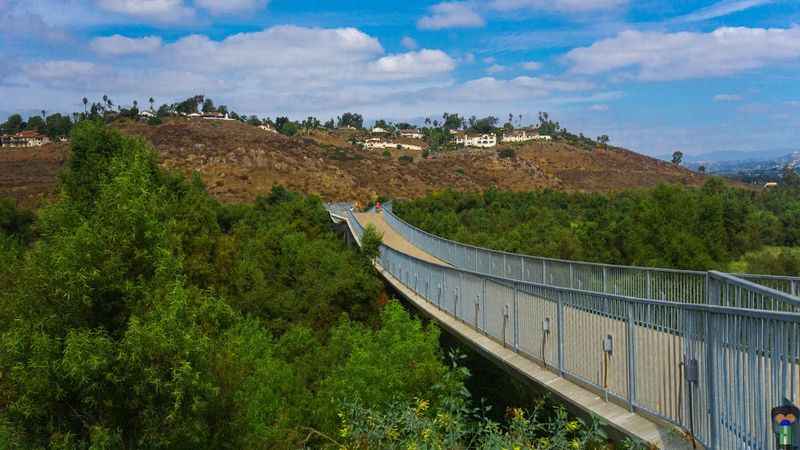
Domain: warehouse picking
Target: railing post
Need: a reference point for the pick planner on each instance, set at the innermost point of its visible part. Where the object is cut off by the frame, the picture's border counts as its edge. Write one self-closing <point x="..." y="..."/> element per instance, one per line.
<point x="560" y="325"/>
<point x="571" y="274"/>
<point x="605" y="279"/>
<point x="710" y="350"/>
<point x="483" y="299"/>
<point x="522" y="270"/>
<point x="648" y="285"/>
<point x="631" y="347"/>
<point x="516" y="318"/>
<point x="544" y="271"/>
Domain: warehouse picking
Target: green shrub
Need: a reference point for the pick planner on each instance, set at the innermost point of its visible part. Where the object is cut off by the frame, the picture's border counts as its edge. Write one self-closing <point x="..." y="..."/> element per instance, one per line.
<point x="406" y="159"/>
<point x="506" y="153"/>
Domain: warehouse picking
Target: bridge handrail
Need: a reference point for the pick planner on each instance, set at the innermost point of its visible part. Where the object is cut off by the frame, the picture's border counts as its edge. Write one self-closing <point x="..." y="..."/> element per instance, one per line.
<point x="679" y="285"/>
<point x="649" y="378"/>
<point x="390" y="213"/>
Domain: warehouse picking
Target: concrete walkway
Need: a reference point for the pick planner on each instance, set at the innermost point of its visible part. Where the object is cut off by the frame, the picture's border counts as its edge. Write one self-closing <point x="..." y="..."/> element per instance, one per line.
<point x="581" y="400"/>
<point x="393" y="239"/>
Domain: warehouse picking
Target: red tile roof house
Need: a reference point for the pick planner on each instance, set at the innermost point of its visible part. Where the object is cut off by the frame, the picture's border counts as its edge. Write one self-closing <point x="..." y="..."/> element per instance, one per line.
<point x="25" y="139"/>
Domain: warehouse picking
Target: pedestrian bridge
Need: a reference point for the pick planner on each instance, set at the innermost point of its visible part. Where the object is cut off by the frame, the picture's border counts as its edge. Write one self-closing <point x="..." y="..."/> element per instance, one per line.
<point x="674" y="358"/>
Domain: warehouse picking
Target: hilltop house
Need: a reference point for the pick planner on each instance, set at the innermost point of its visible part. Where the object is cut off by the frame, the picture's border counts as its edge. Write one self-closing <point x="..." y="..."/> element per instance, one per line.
<point x="25" y="139"/>
<point x="411" y="133"/>
<point x="146" y="114"/>
<point x="378" y="144"/>
<point x="524" y="135"/>
<point x="216" y="116"/>
<point x="268" y="127"/>
<point x="379" y="130"/>
<point x="486" y="140"/>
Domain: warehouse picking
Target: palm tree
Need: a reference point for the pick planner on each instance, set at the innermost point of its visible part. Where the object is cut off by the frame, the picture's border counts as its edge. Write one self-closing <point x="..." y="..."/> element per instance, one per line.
<point x="136" y="104"/>
<point x="85" y="102"/>
<point x="44" y="113"/>
<point x="152" y="101"/>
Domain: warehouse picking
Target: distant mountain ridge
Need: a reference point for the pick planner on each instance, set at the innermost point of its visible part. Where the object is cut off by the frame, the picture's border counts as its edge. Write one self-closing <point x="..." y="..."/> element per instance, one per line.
<point x="734" y="156"/>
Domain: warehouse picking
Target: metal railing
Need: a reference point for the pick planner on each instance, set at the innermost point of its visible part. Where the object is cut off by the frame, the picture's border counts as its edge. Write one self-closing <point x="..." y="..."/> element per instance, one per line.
<point x="712" y="370"/>
<point x="685" y="286"/>
<point x="715" y="371"/>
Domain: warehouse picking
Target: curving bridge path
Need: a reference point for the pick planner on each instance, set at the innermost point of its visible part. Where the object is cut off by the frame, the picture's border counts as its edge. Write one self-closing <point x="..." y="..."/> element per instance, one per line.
<point x="673" y="358"/>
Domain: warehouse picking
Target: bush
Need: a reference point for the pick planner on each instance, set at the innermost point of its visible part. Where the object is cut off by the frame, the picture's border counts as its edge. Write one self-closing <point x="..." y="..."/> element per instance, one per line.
<point x="406" y="159"/>
<point x="506" y="153"/>
<point x="387" y="154"/>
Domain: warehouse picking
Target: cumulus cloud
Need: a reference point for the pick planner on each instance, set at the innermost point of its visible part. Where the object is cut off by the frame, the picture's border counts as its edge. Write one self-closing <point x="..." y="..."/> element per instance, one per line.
<point x="218" y="7"/>
<point x="531" y="65"/>
<point x="568" y="6"/>
<point x="684" y="55"/>
<point x="409" y="43"/>
<point x="497" y="90"/>
<point x="451" y="15"/>
<point x="156" y="10"/>
<point x="412" y="65"/>
<point x="118" y="45"/>
<point x="727" y="98"/>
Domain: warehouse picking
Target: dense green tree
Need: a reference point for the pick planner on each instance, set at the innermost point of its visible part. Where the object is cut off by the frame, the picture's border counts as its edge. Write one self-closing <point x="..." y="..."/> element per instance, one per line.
<point x="13" y="124"/>
<point x="667" y="226"/>
<point x="351" y="120"/>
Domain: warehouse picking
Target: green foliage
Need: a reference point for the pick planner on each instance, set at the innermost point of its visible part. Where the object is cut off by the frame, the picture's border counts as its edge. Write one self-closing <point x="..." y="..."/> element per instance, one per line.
<point x="668" y="226"/>
<point x="771" y="260"/>
<point x="406" y="159"/>
<point x="147" y="315"/>
<point x="506" y="153"/>
<point x="350" y="120"/>
<point x="371" y="242"/>
<point x="420" y="425"/>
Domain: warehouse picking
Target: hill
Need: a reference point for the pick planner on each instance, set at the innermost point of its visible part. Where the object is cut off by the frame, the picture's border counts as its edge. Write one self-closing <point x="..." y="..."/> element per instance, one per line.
<point x="239" y="162"/>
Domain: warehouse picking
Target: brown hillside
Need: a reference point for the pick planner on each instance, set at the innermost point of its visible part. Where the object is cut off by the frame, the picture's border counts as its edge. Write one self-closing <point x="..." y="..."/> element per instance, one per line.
<point x="239" y="162"/>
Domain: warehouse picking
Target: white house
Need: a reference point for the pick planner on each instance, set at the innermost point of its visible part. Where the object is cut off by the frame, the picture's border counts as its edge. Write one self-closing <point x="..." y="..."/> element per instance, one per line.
<point x="380" y="144"/>
<point x="216" y="116"/>
<point x="411" y="133"/>
<point x="25" y="139"/>
<point x="146" y="114"/>
<point x="379" y="130"/>
<point x="476" y="140"/>
<point x="524" y="135"/>
<point x="268" y="127"/>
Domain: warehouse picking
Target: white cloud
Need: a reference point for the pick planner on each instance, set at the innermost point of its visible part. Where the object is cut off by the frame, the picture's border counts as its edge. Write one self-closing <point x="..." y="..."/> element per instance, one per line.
<point x="230" y="6"/>
<point x="519" y="88"/>
<point x="568" y="6"/>
<point x="118" y="45"/>
<point x="496" y="68"/>
<point x="408" y="43"/>
<point x="727" y="98"/>
<point x="531" y="65"/>
<point x="451" y="15"/>
<point x="281" y="49"/>
<point x="489" y="60"/>
<point x="412" y="65"/>
<point x="156" y="10"/>
<point x="721" y="9"/>
<point x="599" y="108"/>
<point x="469" y="58"/>
<point x="671" y="56"/>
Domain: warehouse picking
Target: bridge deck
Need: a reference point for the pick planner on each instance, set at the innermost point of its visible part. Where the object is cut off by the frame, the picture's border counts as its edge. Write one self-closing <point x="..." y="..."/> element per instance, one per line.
<point x="581" y="399"/>
<point x="392" y="238"/>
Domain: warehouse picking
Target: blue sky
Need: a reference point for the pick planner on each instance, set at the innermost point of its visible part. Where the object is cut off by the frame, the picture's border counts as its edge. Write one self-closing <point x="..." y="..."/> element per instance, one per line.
<point x="655" y="75"/>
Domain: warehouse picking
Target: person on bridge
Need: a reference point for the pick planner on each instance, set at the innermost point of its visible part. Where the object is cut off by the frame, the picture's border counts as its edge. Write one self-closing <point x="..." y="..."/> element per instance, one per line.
<point x="378" y="207"/>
